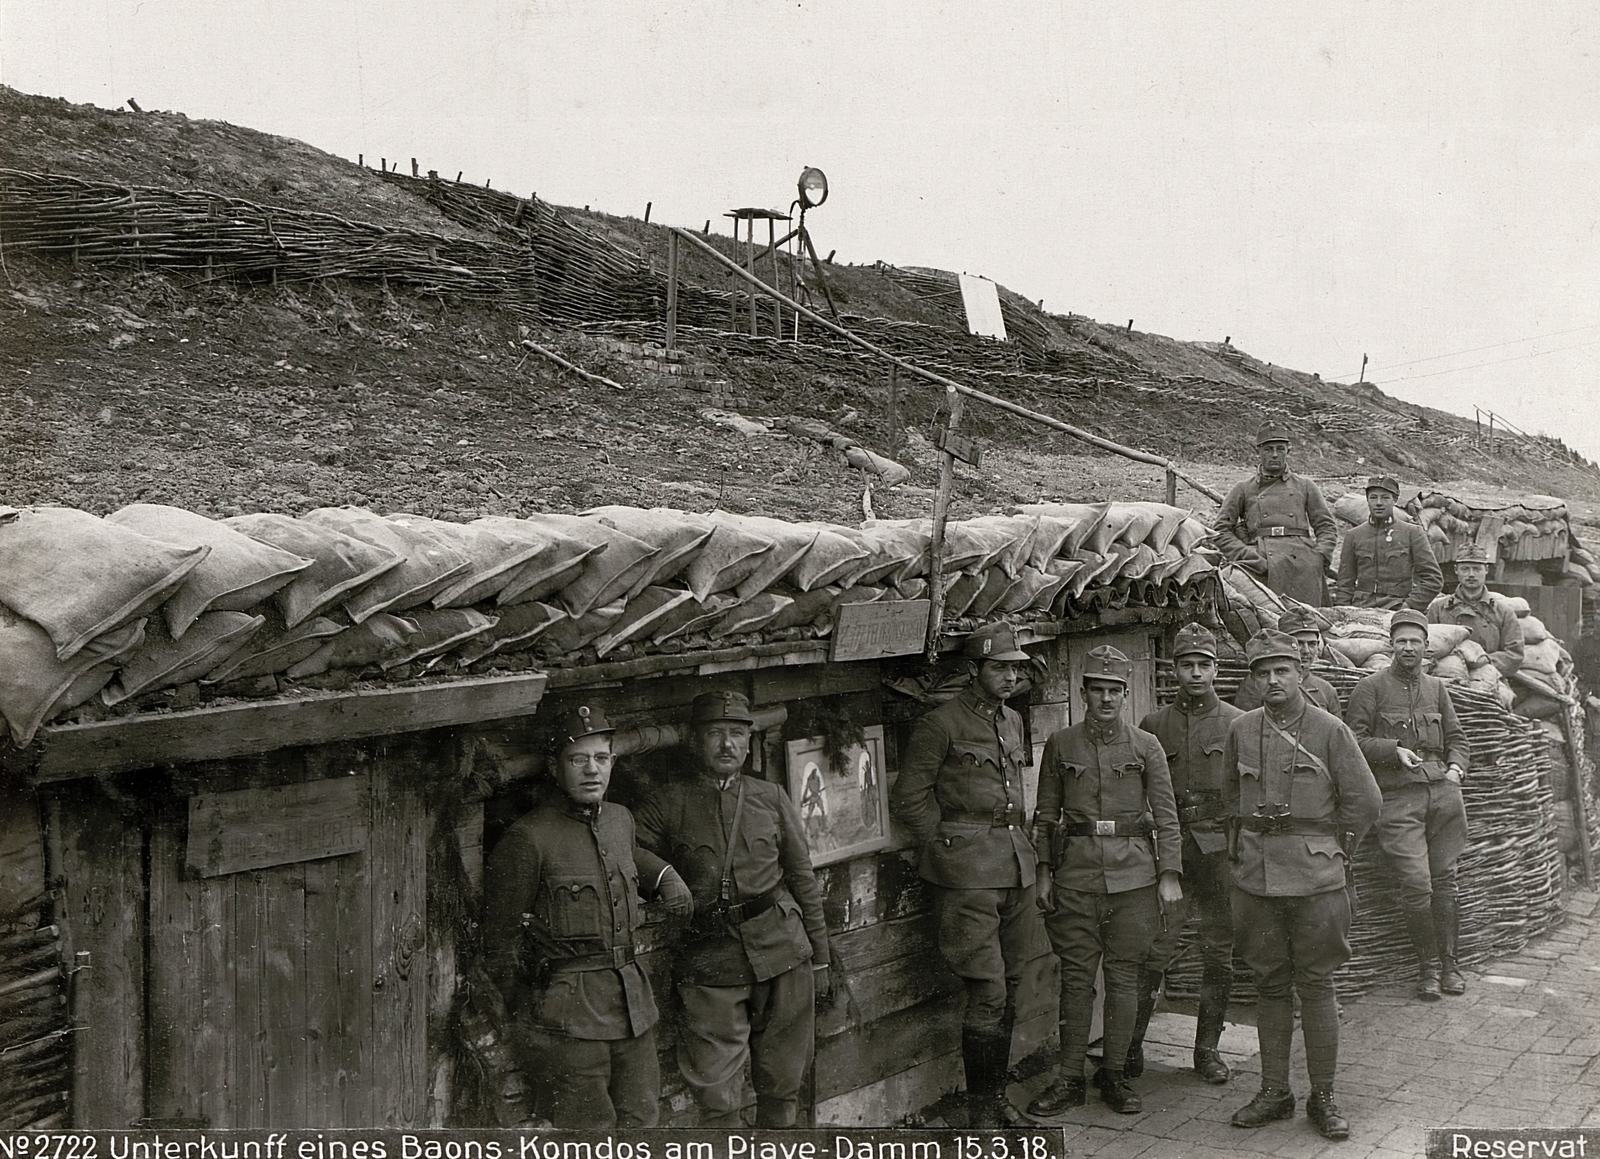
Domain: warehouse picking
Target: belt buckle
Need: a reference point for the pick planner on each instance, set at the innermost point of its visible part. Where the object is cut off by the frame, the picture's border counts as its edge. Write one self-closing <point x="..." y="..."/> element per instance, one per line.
<point x="1277" y="532"/>
<point x="619" y="956"/>
<point x="1105" y="828"/>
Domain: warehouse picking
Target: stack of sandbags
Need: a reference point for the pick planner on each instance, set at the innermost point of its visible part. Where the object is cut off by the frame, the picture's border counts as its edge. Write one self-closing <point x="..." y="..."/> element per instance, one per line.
<point x="1531" y="527"/>
<point x="1249" y="603"/>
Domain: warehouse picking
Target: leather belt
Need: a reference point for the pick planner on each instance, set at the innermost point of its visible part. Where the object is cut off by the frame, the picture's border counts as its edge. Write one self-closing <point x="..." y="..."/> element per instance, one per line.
<point x="618" y="957"/>
<point x="1281" y="533"/>
<point x="1139" y="828"/>
<point x="998" y="816"/>
<point x="1300" y="825"/>
<point x="737" y="913"/>
<point x="1203" y="811"/>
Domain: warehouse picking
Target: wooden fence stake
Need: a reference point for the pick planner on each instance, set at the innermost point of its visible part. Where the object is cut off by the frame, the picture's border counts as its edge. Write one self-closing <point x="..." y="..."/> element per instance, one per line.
<point x="1172" y="488"/>
<point x="941" y="512"/>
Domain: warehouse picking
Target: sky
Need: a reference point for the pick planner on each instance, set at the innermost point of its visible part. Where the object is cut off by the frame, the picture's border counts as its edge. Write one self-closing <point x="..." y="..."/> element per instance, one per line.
<point x="1411" y="181"/>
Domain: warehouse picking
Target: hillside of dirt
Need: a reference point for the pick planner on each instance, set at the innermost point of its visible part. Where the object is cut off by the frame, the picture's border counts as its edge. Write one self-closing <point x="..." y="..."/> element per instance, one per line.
<point x="124" y="383"/>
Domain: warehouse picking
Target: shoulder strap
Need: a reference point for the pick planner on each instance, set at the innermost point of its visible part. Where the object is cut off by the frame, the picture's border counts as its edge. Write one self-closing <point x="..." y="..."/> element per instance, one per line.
<point x="733" y="833"/>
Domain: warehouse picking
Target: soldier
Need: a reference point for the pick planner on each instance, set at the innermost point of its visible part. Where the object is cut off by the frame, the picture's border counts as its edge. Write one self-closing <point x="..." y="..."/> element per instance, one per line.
<point x="959" y="794"/>
<point x="1302" y="797"/>
<point x="1386" y="563"/>
<point x="1192" y="731"/>
<point x="1307" y="633"/>
<point x="757" y="953"/>
<point x="1409" y="734"/>
<point x="1277" y="524"/>
<point x="1103" y="789"/>
<point x="562" y="893"/>
<point x="1494" y="625"/>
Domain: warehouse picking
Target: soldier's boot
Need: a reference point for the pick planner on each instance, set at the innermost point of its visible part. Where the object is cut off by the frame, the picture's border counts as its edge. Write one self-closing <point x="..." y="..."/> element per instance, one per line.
<point x="1270" y="1104"/>
<point x="1419" y="925"/>
<point x="1208" y="1063"/>
<point x="1116" y="1092"/>
<point x="1149" y="995"/>
<point x="1324" y="1114"/>
<point x="1061" y="1095"/>
<point x="986" y="1054"/>
<point x="1447" y="929"/>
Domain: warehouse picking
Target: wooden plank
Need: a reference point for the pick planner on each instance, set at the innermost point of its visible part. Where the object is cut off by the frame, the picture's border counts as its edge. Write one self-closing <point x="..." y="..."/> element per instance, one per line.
<point x="962" y="447"/>
<point x="177" y="981"/>
<point x="1138" y="646"/>
<point x="250" y="1058"/>
<point x="101" y="862"/>
<point x="397" y="869"/>
<point x="21" y="846"/>
<point x="352" y="934"/>
<point x="808" y="652"/>
<point x="888" y="1099"/>
<point x="873" y="631"/>
<point x="284" y="984"/>
<point x="216" y="733"/>
<point x="775" y="685"/>
<point x="259" y="828"/>
<point x="891" y="1044"/>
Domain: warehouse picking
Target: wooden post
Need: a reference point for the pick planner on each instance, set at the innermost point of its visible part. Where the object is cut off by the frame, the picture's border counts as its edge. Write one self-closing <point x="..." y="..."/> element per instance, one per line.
<point x="941" y="512"/>
<point x="1172" y="488"/>
<point x="892" y="411"/>
<point x="1580" y="811"/>
<point x="672" y="292"/>
<point x="647" y="206"/>
<point x="750" y="264"/>
<point x="777" y="306"/>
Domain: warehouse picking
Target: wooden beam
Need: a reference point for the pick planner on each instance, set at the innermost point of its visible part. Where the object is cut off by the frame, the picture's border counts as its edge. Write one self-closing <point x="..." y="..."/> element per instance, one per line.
<point x="941" y="512"/>
<point x="203" y="734"/>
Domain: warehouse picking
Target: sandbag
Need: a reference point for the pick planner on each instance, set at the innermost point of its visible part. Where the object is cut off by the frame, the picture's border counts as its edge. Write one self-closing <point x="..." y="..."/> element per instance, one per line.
<point x="676" y="535"/>
<point x="438" y="630"/>
<point x="607" y="575"/>
<point x="1138" y="520"/>
<point x="750" y="616"/>
<point x="1446" y="638"/>
<point x="379" y="635"/>
<point x="1033" y="589"/>
<point x="274" y="648"/>
<point x="1539" y="683"/>
<point x="790" y="542"/>
<point x="697" y="615"/>
<point x="1358" y="649"/>
<point x="514" y="628"/>
<point x="642" y="613"/>
<point x="1545" y="657"/>
<point x="1452" y="668"/>
<point x="1378" y="661"/>
<point x="1537" y="706"/>
<point x="427" y="565"/>
<point x="996" y="585"/>
<point x="36" y="684"/>
<point x="1351" y="508"/>
<point x="339" y="563"/>
<point x="1519" y="606"/>
<point x="1191" y="534"/>
<point x="1015" y="532"/>
<point x="79" y="577"/>
<point x="163" y="662"/>
<point x="1086" y="519"/>
<point x="1472" y="654"/>
<point x="729" y="557"/>
<point x="1138" y="562"/>
<point x="1533" y="630"/>
<point x="236" y="575"/>
<point x="894" y="552"/>
<point x="574" y="632"/>
<point x="557" y="561"/>
<point x="832" y="556"/>
<point x="961" y="589"/>
<point x="496" y="559"/>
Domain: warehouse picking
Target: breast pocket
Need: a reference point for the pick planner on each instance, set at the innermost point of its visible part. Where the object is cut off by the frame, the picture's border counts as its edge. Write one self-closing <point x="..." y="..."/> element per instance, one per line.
<point x="1430" y="733"/>
<point x="1211" y="762"/>
<point x="1310" y="793"/>
<point x="972" y="757"/>
<point x="575" y="907"/>
<point x="1397" y="726"/>
<point x="761" y="836"/>
<point x="1249" y="787"/>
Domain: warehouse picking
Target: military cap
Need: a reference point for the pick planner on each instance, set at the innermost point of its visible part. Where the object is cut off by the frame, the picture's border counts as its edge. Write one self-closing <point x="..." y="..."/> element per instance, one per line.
<point x="1194" y="640"/>
<point x="581" y="721"/>
<point x="993" y="642"/>
<point x="1298" y="620"/>
<point x="1106" y="663"/>
<point x="1473" y="553"/>
<point x="1272" y="433"/>
<point x="1384" y="483"/>
<point x="709" y="706"/>
<point x="1404" y="617"/>
<point x="1270" y="645"/>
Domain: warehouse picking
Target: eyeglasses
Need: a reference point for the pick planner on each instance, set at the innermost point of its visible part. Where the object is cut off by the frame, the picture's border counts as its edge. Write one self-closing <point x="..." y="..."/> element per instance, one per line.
<point x="581" y="760"/>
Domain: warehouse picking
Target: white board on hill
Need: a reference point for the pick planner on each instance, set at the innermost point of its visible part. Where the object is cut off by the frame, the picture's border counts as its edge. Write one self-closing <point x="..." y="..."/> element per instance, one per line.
<point x="982" y="302"/>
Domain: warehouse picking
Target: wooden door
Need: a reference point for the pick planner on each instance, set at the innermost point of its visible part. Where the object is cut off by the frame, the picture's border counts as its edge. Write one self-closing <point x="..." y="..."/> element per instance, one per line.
<point x="286" y="970"/>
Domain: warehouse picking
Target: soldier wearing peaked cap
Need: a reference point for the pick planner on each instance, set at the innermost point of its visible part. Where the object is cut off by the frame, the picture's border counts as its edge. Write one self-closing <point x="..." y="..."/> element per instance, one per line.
<point x="1307" y="633"/>
<point x="1277" y="524"/>
<point x="1110" y="855"/>
<point x="1493" y="624"/>
<point x="1409" y="733"/>
<point x="756" y="956"/>
<point x="563" y="888"/>
<point x="1386" y="562"/>
<point x="960" y="795"/>
<point x="1192" y="731"/>
<point x="1300" y="798"/>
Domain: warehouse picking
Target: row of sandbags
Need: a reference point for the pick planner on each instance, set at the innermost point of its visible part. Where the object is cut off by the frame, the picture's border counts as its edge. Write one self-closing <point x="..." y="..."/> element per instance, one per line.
<point x="154" y="597"/>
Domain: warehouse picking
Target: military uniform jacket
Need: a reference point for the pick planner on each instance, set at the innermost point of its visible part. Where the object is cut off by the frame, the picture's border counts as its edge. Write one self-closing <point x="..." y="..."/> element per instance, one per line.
<point x="570" y="874"/>
<point x="1494" y="625"/>
<point x="1291" y="504"/>
<point x="1192" y="735"/>
<point x="1311" y="771"/>
<point x="1317" y="690"/>
<point x="1390" y="566"/>
<point x="1387" y="713"/>
<point x="687" y="821"/>
<point x="959" y="793"/>
<point x="1089" y="776"/>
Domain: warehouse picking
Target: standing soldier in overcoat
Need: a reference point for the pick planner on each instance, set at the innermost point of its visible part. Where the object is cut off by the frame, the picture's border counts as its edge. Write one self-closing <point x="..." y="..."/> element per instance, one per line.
<point x="562" y="890"/>
<point x="756" y="954"/>
<point x="960" y="795"/>
<point x="1110" y="855"/>
<point x="1494" y="625"/>
<point x="1301" y="797"/>
<point x="1410" y="735"/>
<point x="1277" y="524"/>
<point x="1386" y="562"/>
<point x="1192" y="731"/>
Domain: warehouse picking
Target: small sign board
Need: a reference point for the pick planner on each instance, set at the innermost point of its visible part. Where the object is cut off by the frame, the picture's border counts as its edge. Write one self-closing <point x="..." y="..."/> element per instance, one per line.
<point x="872" y="631"/>
<point x="981" y="298"/>
<point x="259" y="828"/>
<point x="969" y="451"/>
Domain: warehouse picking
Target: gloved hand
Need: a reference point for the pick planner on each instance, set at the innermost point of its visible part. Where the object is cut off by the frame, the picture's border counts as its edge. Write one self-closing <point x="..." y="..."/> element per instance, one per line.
<point x="1046" y="890"/>
<point x="674" y="894"/>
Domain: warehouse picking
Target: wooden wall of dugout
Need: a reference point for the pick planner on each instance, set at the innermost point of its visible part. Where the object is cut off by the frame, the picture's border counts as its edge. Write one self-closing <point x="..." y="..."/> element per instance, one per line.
<point x="328" y="991"/>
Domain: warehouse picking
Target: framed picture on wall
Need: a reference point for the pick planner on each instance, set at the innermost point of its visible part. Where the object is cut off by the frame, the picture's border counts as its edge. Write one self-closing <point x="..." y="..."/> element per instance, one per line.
<point x="844" y="807"/>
